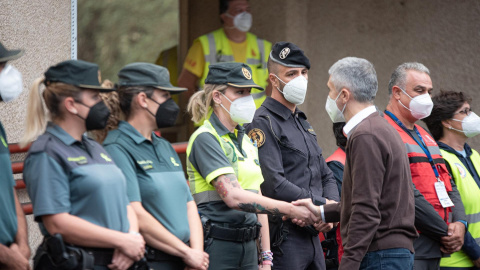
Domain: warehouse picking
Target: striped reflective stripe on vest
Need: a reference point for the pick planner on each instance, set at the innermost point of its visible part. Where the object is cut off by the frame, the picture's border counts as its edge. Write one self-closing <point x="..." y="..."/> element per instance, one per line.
<point x="415" y="148"/>
<point x="261" y="49"/>
<point x="212" y="57"/>
<point x="473" y="218"/>
<point x="211" y="196"/>
<point x="259" y="95"/>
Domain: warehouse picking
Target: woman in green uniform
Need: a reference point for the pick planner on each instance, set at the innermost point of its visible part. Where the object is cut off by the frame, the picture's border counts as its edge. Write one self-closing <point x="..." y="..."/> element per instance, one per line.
<point x="451" y="123"/>
<point x="76" y="189"/>
<point x="224" y="172"/>
<point x="156" y="185"/>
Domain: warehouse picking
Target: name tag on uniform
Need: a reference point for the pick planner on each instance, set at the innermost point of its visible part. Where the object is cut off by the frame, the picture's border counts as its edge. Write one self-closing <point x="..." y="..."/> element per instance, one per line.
<point x="443" y="195"/>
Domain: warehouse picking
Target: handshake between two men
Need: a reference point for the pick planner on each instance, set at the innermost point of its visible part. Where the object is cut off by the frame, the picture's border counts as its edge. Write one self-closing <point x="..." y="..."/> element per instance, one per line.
<point x="305" y="213"/>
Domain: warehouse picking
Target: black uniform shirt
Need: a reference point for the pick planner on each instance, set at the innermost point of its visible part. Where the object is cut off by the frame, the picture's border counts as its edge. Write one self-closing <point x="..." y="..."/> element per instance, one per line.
<point x="291" y="160"/>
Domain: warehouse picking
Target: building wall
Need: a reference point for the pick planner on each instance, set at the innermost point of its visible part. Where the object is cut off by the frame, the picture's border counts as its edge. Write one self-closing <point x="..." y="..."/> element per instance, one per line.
<point x="442" y="35"/>
<point x="42" y="29"/>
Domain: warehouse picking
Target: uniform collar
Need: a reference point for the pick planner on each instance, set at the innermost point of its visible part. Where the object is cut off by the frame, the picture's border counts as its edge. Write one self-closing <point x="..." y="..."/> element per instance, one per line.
<point x="279" y="109"/>
<point x="133" y="133"/>
<point x="449" y="149"/>
<point x="61" y="134"/>
<point x="217" y="125"/>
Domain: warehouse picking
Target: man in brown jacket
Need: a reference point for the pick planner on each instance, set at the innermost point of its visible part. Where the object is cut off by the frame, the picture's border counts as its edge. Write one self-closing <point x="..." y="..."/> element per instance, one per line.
<point x="377" y="208"/>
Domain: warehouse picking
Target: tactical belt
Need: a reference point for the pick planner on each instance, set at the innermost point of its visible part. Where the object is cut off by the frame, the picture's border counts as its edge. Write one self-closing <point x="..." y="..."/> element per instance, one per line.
<point x="153" y="254"/>
<point x="103" y="256"/>
<point x="234" y="234"/>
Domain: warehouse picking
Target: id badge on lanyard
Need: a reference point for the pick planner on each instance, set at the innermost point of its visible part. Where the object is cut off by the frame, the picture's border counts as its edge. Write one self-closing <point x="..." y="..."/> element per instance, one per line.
<point x="442" y="194"/>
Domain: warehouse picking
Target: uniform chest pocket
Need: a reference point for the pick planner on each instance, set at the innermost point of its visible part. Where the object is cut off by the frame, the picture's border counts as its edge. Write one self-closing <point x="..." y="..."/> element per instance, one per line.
<point x="291" y="155"/>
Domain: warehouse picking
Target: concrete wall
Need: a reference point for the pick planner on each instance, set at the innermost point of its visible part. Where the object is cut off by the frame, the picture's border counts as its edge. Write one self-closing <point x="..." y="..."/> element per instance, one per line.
<point x="42" y="29"/>
<point x="443" y="35"/>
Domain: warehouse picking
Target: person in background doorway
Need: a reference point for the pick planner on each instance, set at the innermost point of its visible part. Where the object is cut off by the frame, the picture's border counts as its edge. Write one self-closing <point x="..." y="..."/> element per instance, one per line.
<point x="231" y="43"/>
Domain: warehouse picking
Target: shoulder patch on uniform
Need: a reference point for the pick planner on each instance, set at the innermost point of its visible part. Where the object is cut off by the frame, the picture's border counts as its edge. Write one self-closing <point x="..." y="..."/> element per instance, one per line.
<point x="258" y="136"/>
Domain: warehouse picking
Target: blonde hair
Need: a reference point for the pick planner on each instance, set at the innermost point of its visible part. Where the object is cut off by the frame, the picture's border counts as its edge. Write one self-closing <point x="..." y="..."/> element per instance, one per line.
<point x="51" y="98"/>
<point x="202" y="101"/>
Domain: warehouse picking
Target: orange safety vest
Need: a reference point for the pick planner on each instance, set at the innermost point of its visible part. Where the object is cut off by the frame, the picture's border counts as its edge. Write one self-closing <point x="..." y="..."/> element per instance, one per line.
<point x="340" y="156"/>
<point x="423" y="175"/>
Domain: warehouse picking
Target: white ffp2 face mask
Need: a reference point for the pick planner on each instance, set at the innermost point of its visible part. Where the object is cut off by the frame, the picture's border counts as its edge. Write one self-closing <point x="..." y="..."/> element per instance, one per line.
<point x="242" y="21"/>
<point x="11" y="84"/>
<point x="336" y="115"/>
<point x="242" y="109"/>
<point x="420" y="106"/>
<point x="470" y="125"/>
<point x="295" y="90"/>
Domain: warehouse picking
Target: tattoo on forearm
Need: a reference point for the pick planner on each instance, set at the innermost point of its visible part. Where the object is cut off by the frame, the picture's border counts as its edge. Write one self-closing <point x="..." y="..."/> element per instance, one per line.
<point x="221" y="189"/>
<point x="257" y="208"/>
<point x="221" y="182"/>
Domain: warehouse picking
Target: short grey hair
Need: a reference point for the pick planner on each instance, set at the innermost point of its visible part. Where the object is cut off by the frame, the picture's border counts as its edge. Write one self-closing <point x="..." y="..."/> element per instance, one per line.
<point x="357" y="75"/>
<point x="399" y="76"/>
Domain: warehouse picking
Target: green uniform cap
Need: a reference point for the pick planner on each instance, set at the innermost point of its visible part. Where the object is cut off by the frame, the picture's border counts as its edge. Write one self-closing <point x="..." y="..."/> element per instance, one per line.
<point x="7" y="55"/>
<point x="76" y="72"/>
<point x="147" y="74"/>
<point x="231" y="73"/>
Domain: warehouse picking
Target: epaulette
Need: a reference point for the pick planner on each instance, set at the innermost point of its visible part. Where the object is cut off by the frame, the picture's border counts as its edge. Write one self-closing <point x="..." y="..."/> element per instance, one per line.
<point x="40" y="144"/>
<point x="112" y="137"/>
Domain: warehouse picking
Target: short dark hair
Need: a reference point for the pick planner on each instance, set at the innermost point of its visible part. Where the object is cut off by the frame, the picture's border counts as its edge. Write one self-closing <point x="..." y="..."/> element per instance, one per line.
<point x="445" y="104"/>
<point x="339" y="136"/>
<point x="223" y="5"/>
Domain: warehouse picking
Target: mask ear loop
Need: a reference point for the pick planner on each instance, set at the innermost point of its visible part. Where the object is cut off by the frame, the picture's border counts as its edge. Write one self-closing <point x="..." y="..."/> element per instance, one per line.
<point x="407" y="96"/>
<point x="277" y="86"/>
<point x="344" y="106"/>
<point x="221" y="105"/>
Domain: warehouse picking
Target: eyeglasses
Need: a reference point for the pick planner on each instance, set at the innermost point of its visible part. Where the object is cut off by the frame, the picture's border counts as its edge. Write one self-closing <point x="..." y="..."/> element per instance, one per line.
<point x="467" y="111"/>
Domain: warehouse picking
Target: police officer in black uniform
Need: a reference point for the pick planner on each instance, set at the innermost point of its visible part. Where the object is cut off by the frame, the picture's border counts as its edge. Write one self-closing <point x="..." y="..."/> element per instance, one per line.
<point x="291" y="160"/>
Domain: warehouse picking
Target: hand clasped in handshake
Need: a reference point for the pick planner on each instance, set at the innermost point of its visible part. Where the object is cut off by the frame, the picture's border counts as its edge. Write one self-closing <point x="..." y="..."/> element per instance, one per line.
<point x="305" y="213"/>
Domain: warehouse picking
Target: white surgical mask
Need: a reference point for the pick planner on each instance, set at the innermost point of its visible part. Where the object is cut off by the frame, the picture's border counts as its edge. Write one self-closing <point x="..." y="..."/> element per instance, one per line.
<point x="295" y="90"/>
<point x="242" y="109"/>
<point x="336" y="115"/>
<point x="421" y="106"/>
<point x="11" y="84"/>
<point x="470" y="125"/>
<point x="242" y="21"/>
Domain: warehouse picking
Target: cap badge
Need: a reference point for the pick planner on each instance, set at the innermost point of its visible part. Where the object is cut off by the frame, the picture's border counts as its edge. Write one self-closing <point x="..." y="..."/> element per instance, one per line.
<point x="284" y="53"/>
<point x="246" y="73"/>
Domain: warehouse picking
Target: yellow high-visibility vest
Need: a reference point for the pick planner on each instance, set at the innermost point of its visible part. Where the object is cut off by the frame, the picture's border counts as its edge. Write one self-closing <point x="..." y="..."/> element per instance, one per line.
<point x="216" y="49"/>
<point x="470" y="194"/>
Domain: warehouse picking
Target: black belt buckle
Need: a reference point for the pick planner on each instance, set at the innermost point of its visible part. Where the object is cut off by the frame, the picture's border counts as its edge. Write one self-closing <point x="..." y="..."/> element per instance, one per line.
<point x="246" y="234"/>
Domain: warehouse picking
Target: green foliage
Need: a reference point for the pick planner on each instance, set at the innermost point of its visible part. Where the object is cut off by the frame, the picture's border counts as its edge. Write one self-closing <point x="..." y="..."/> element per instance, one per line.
<point x="113" y="33"/>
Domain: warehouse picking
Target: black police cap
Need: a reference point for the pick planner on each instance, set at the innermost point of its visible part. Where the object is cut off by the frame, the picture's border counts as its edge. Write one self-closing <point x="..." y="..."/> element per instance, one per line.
<point x="231" y="73"/>
<point x="76" y="72"/>
<point x="289" y="55"/>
